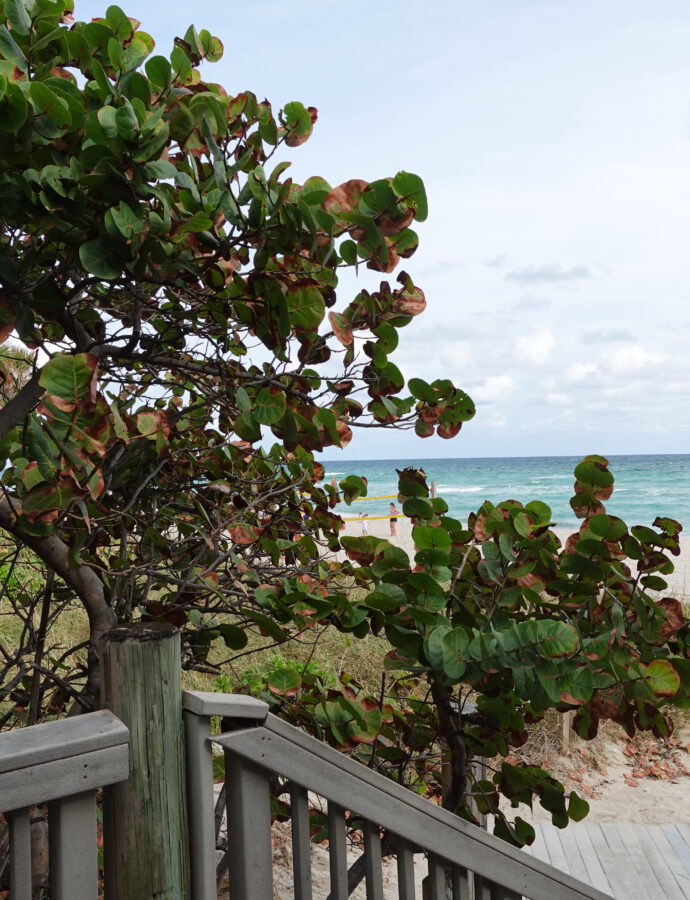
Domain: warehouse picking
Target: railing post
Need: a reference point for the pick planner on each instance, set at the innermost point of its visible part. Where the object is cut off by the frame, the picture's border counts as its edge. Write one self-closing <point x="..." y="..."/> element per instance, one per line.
<point x="145" y="825"/>
<point x="198" y="709"/>
<point x="248" y="794"/>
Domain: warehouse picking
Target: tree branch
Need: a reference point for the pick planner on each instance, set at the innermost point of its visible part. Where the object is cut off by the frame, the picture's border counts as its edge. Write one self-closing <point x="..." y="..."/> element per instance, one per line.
<point x="20" y="405"/>
<point x="83" y="580"/>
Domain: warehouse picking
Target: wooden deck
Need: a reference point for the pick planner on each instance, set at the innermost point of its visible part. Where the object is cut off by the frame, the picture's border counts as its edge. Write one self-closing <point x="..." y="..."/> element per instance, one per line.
<point x="644" y="862"/>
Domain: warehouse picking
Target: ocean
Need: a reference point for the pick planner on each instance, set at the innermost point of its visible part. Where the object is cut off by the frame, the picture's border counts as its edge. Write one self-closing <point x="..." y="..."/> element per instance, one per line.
<point x="645" y="486"/>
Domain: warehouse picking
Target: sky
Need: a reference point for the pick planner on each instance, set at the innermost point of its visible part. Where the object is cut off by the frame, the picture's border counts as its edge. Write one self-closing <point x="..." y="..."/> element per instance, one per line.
<point x="554" y="141"/>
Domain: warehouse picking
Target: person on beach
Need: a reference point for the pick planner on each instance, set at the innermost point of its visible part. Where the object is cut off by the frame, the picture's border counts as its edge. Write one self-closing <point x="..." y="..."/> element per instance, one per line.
<point x="394" y="513"/>
<point x="364" y="523"/>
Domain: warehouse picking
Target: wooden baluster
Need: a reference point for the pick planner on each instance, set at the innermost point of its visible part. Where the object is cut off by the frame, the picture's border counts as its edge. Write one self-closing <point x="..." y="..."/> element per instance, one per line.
<point x="372" y="861"/>
<point x="301" y="843"/>
<point x="249" y="829"/>
<point x="405" y="856"/>
<point x="20" y="854"/>
<point x="437" y="878"/>
<point x="460" y="881"/>
<point x="337" y="849"/>
<point x="73" y="847"/>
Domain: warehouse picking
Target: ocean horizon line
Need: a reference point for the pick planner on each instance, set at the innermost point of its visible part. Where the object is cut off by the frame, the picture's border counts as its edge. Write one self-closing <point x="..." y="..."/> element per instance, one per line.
<point x="618" y="455"/>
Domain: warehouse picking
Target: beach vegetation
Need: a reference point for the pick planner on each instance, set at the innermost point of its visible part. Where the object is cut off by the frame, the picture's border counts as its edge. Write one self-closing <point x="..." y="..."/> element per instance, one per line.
<point x="191" y="352"/>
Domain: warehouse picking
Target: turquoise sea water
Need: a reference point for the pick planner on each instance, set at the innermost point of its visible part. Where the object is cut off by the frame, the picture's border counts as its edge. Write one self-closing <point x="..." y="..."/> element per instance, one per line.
<point x="645" y="486"/>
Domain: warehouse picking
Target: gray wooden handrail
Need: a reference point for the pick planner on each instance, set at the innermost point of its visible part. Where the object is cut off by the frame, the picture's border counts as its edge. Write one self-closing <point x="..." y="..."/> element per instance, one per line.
<point x="60" y="764"/>
<point x="260" y="744"/>
<point x="278" y="747"/>
<point x="61" y="758"/>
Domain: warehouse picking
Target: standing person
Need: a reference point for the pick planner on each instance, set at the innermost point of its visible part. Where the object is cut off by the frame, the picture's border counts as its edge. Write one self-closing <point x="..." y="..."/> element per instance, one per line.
<point x="364" y="523"/>
<point x="394" y="513"/>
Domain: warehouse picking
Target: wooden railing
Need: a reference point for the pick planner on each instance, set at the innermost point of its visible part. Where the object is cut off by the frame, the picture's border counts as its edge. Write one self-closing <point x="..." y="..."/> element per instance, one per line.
<point x="60" y="764"/>
<point x="463" y="861"/>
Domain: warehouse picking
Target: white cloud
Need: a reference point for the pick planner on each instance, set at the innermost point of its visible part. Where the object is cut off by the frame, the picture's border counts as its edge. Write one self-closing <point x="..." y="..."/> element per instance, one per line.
<point x="496" y="420"/>
<point x="549" y="273"/>
<point x="535" y="348"/>
<point x="632" y="358"/>
<point x="493" y="388"/>
<point x="556" y="398"/>
<point x="606" y="335"/>
<point x="579" y="372"/>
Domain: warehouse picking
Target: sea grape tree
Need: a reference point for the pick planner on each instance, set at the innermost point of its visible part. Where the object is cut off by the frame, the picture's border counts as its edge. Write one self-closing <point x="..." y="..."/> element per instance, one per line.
<point x="193" y="350"/>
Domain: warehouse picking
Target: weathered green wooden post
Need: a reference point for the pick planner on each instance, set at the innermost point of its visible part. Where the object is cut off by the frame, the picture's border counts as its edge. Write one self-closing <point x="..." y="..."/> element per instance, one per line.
<point x="145" y="822"/>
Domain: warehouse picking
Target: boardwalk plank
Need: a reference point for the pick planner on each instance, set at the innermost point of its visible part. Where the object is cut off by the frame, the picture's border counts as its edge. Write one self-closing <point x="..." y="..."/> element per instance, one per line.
<point x="676" y="840"/>
<point x="623" y="840"/>
<point x="670" y="887"/>
<point x="627" y="872"/>
<point x="616" y="869"/>
<point x="673" y="864"/>
<point x="552" y="840"/>
<point x="684" y="830"/>
<point x="625" y="860"/>
<point x="595" y="872"/>
<point x="539" y="848"/>
<point x="573" y="855"/>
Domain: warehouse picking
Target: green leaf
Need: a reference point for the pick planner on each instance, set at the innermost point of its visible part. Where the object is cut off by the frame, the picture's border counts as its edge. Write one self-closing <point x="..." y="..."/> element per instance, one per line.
<point x="159" y="71"/>
<point x="266" y="625"/>
<point x="118" y="22"/>
<point x="160" y="168"/>
<point x="426" y="538"/>
<point x="455" y="645"/>
<point x="419" y="507"/>
<point x="306" y="308"/>
<point x="285" y="681"/>
<point x="410" y="189"/>
<point x="593" y="471"/>
<point x="98" y="259"/>
<point x="297" y="118"/>
<point x="577" y="807"/>
<point x="107" y="119"/>
<point x="353" y="487"/>
<point x="126" y="122"/>
<point x="13" y="109"/>
<point x="433" y="645"/>
<point x="48" y="497"/>
<point x="10" y="49"/>
<point x="609" y="528"/>
<point x="269" y="406"/>
<point x="71" y="378"/>
<point x="51" y="104"/>
<point x="557" y="638"/>
<point x="386" y="597"/>
<point x="17" y="16"/>
<point x="198" y="222"/>
<point x="539" y="511"/>
<point x="522" y="525"/>
<point x="422" y="391"/>
<point x="246" y="427"/>
<point x="662" y="678"/>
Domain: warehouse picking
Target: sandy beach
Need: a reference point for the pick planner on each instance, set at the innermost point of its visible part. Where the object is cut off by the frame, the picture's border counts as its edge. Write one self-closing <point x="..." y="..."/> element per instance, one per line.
<point x="678" y="581"/>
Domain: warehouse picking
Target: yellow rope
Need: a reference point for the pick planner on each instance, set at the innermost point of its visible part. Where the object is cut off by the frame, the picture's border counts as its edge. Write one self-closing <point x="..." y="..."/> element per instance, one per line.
<point x="371" y="518"/>
<point x="384" y="497"/>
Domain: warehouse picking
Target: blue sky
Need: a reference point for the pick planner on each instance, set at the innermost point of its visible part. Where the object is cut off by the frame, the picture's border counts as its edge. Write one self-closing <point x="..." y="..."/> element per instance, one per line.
<point x="554" y="140"/>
